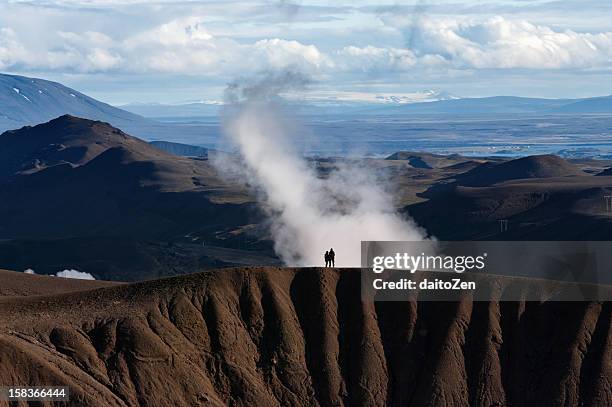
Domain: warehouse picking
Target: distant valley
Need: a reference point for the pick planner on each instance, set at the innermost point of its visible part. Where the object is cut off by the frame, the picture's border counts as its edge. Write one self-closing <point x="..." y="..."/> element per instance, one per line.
<point x="427" y="121"/>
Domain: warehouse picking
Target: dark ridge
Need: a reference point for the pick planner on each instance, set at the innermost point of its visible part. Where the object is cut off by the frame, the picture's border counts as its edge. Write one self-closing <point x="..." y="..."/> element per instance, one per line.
<point x="537" y="166"/>
<point x="606" y="172"/>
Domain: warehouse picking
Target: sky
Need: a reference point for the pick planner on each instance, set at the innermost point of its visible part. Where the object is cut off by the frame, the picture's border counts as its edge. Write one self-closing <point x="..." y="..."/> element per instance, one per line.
<point x="124" y="51"/>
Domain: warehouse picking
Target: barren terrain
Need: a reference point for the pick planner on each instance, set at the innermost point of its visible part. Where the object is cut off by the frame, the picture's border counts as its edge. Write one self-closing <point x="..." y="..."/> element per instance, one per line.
<point x="273" y="336"/>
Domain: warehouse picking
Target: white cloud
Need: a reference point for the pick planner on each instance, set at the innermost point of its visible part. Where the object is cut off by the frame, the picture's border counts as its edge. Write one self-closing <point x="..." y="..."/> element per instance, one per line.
<point x="500" y="43"/>
<point x="75" y="274"/>
<point x="180" y="46"/>
<point x="280" y="53"/>
<point x="11" y="50"/>
<point x="370" y="58"/>
<point x="196" y="47"/>
<point x="179" y="32"/>
<point x="29" y="271"/>
<point x="185" y="45"/>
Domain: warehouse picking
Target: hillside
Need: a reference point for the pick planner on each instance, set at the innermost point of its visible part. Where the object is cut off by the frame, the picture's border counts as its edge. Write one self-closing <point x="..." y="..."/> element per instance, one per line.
<point x="116" y="184"/>
<point x="66" y="140"/>
<point x="430" y="161"/>
<point x="270" y="336"/>
<point x="29" y="101"/>
<point x="535" y="166"/>
<point x="82" y="194"/>
<point x="590" y="105"/>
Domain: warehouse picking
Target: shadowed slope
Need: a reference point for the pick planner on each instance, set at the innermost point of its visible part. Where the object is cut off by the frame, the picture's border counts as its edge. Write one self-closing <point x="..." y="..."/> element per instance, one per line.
<point x="535" y="166"/>
<point x="96" y="180"/>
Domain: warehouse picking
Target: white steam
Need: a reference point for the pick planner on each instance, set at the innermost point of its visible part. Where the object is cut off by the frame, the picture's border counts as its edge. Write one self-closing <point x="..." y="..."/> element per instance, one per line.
<point x="308" y="214"/>
<point x="79" y="275"/>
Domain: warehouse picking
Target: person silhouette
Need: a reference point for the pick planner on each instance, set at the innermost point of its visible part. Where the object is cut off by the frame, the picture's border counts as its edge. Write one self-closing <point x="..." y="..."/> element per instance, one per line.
<point x="326" y="259"/>
<point x="332" y="257"/>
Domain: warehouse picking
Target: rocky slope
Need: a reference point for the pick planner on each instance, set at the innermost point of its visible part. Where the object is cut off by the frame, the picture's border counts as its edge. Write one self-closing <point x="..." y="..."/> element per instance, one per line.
<point x="271" y="336"/>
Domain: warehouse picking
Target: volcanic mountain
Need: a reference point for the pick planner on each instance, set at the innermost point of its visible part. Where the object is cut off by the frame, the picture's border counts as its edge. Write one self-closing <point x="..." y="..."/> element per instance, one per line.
<point x="96" y="180"/>
<point x="540" y="198"/>
<point x="271" y="336"/>
<point x="534" y="166"/>
<point x="77" y="192"/>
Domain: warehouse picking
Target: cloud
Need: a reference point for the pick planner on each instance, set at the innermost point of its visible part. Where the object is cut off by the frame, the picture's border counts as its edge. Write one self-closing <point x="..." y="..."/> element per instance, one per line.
<point x="29" y="271"/>
<point x="372" y="58"/>
<point x="11" y="50"/>
<point x="182" y="45"/>
<point x="179" y="32"/>
<point x="280" y="53"/>
<point x="185" y="45"/>
<point x="196" y="48"/>
<point x="75" y="274"/>
<point x="499" y="43"/>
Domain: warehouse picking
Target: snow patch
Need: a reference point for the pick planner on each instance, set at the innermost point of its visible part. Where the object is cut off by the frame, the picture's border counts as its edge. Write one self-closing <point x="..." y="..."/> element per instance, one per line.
<point x="18" y="91"/>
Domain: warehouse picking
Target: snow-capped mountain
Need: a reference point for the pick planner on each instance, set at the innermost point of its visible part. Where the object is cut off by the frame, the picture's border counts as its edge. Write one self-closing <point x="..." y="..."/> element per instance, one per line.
<point x="366" y="98"/>
<point x="301" y="103"/>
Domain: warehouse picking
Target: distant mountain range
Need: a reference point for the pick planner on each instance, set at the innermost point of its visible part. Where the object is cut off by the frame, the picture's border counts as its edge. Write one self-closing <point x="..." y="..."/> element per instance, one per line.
<point x="308" y="104"/>
<point x="395" y="106"/>
<point x="501" y="105"/>
<point x="29" y="101"/>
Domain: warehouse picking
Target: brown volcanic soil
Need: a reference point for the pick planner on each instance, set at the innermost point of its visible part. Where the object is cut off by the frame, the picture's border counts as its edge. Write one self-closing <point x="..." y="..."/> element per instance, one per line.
<point x="272" y="336"/>
<point x="29" y="284"/>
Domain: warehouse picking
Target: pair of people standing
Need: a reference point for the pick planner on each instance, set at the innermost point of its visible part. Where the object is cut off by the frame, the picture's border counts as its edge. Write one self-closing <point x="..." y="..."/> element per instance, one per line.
<point x="330" y="258"/>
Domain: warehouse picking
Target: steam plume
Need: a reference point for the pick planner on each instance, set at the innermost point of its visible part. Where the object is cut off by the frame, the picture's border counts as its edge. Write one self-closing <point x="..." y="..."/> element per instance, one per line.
<point x="308" y="214"/>
<point x="79" y="275"/>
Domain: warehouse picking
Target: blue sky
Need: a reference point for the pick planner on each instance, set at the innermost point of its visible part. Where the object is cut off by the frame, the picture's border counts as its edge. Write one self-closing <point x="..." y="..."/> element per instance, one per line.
<point x="172" y="51"/>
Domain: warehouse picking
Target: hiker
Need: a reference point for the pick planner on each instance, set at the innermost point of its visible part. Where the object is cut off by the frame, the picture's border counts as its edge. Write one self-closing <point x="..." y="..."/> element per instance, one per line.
<point x="326" y="259"/>
<point x="332" y="257"/>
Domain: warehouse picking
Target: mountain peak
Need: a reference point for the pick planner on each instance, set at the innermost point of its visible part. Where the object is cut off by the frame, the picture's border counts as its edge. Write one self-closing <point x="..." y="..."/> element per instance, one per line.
<point x="68" y="120"/>
<point x="64" y="140"/>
